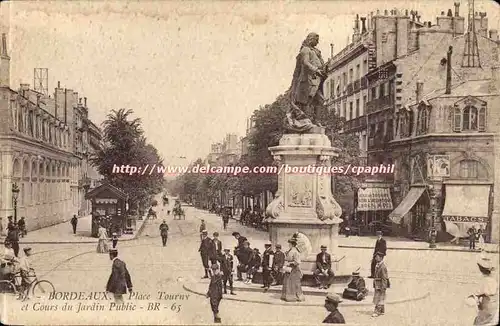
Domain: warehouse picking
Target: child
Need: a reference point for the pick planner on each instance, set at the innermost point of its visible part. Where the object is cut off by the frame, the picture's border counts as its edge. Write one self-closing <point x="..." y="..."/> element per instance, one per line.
<point x="254" y="265"/>
<point x="114" y="240"/>
<point x="215" y="292"/>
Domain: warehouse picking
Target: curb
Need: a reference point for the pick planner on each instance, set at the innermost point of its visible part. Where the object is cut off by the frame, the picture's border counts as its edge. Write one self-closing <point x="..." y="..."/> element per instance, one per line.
<point x="292" y="304"/>
<point x="421" y="249"/>
<point x="137" y="234"/>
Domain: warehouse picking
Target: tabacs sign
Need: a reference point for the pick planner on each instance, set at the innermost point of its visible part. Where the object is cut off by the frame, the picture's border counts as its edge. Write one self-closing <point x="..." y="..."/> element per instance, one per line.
<point x="465" y="219"/>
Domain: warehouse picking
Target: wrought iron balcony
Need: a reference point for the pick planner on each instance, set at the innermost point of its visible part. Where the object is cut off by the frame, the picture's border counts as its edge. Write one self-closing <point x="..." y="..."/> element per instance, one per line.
<point x="355" y="124"/>
<point x="380" y="103"/>
<point x="357" y="85"/>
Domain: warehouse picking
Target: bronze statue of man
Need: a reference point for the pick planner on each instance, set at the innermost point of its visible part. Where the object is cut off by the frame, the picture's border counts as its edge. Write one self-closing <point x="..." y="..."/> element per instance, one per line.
<point x="308" y="78"/>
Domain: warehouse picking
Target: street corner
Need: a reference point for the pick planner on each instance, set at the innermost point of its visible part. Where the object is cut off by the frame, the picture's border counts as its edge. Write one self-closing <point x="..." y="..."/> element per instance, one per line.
<point x="253" y="293"/>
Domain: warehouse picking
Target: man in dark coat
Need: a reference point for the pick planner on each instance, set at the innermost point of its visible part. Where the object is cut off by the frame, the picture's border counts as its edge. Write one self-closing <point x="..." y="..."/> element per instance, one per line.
<point x="244" y="258"/>
<point x="253" y="265"/>
<point x="217" y="248"/>
<point x="13" y="237"/>
<point x="227" y="266"/>
<point x="278" y="263"/>
<point x="119" y="280"/>
<point x="324" y="269"/>
<point x="356" y="289"/>
<point x="241" y="241"/>
<point x="267" y="263"/>
<point x="203" y="227"/>
<point x="74" y="223"/>
<point x="331" y="304"/>
<point x="206" y="249"/>
<point x="380" y="246"/>
<point x="215" y="292"/>
<point x="472" y="237"/>
<point x="164" y="232"/>
<point x="10" y="225"/>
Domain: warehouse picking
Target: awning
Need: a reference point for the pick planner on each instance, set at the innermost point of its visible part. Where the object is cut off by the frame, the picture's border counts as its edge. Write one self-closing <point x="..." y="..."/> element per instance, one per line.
<point x="406" y="204"/>
<point x="465" y="206"/>
<point x="374" y="199"/>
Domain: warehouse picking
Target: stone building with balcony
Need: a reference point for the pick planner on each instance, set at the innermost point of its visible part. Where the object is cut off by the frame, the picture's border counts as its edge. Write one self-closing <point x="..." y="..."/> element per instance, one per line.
<point x="42" y="149"/>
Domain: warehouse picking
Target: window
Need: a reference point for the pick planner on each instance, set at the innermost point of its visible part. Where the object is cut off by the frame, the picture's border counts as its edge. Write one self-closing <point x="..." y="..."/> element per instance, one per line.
<point x="364" y="105"/>
<point x="357" y="108"/>
<point x="358" y="72"/>
<point x="332" y="88"/>
<point x="351" y="75"/>
<point x="382" y="90"/>
<point x="365" y="66"/>
<point x="338" y="86"/>
<point x="374" y="93"/>
<point x="391" y="86"/>
<point x="350" y="111"/>
<point x="389" y="131"/>
<point x="31" y="124"/>
<point x="422" y="120"/>
<point x="468" y="169"/>
<point x="469" y="119"/>
<point x="345" y="78"/>
<point x="344" y="112"/>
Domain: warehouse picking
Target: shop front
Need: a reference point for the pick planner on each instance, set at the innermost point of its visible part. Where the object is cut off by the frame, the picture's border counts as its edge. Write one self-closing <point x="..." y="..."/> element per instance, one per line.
<point x="411" y="213"/>
<point x="466" y="206"/>
<point x="373" y="205"/>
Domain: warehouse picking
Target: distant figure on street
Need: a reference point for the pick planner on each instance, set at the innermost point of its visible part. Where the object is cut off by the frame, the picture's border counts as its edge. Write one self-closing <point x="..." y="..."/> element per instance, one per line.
<point x="485" y="297"/>
<point x="206" y="249"/>
<point x="74" y="223"/>
<point x="203" y="227"/>
<point x="227" y="268"/>
<point x="356" y="289"/>
<point x="244" y="257"/>
<point x="331" y="304"/>
<point x="119" y="280"/>
<point x="380" y="246"/>
<point x="277" y="266"/>
<point x="472" y="237"/>
<point x="114" y="239"/>
<point x="292" y="288"/>
<point x="323" y="269"/>
<point x="102" y="245"/>
<point x="22" y="227"/>
<point x="10" y="225"/>
<point x="267" y="263"/>
<point x="480" y="238"/>
<point x="253" y="265"/>
<point x="215" y="292"/>
<point x="13" y="237"/>
<point x="164" y="232"/>
<point x="380" y="285"/>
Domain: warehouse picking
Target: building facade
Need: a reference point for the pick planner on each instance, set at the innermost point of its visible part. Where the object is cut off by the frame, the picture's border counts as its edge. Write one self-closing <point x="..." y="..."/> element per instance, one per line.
<point x="43" y="146"/>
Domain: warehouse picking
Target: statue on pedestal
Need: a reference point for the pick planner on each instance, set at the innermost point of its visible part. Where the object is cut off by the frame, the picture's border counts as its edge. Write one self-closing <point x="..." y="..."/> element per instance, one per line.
<point x="307" y="89"/>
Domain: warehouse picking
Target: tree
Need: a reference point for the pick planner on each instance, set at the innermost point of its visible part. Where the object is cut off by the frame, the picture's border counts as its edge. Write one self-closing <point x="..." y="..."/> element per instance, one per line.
<point x="125" y="144"/>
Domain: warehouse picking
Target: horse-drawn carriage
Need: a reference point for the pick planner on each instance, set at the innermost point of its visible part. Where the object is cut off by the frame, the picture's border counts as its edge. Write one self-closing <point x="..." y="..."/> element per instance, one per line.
<point x="178" y="211"/>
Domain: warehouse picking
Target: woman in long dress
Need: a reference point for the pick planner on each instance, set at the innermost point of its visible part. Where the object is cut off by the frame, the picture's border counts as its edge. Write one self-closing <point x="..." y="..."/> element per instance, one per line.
<point x="486" y="296"/>
<point x="292" y="289"/>
<point x="102" y="245"/>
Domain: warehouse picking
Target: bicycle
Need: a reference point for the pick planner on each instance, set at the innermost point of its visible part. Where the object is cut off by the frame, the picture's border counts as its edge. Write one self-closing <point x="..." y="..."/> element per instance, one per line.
<point x="37" y="288"/>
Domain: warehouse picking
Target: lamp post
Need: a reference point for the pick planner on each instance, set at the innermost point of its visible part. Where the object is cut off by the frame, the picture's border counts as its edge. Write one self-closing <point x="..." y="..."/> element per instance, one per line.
<point x="432" y="232"/>
<point x="15" y="195"/>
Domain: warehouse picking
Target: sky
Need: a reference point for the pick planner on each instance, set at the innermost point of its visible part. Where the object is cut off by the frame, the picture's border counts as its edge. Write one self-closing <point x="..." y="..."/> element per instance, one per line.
<point x="192" y="71"/>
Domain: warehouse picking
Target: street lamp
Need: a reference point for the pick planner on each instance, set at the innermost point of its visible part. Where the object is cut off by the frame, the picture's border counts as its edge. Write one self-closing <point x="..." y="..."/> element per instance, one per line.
<point x="432" y="232"/>
<point x="15" y="195"/>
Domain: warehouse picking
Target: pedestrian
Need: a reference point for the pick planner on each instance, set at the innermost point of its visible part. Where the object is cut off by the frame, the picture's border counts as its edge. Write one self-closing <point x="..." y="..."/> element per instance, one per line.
<point x="24" y="268"/>
<point x="331" y="304"/>
<point x="323" y="269"/>
<point x="215" y="292"/>
<point x="485" y="297"/>
<point x="472" y="237"/>
<point x="7" y="260"/>
<point x="278" y="263"/>
<point x="10" y="225"/>
<point x="241" y="241"/>
<point x="119" y="281"/>
<point x="22" y="227"/>
<point x="164" y="232"/>
<point x="380" y="285"/>
<point x="227" y="268"/>
<point x="74" y="223"/>
<point x="205" y="250"/>
<point x="253" y="265"/>
<point x="356" y="289"/>
<point x="13" y="237"/>
<point x="114" y="239"/>
<point x="267" y="263"/>
<point x="292" y="288"/>
<point x="244" y="258"/>
<point x="480" y="238"/>
<point x="102" y="245"/>
<point x="202" y="228"/>
<point x="217" y="246"/>
<point x="380" y="246"/>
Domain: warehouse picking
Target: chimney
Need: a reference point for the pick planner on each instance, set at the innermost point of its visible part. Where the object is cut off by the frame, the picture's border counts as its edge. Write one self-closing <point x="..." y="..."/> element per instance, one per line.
<point x="363" y="25"/>
<point x="494" y="34"/>
<point x="450" y="14"/>
<point x="406" y="12"/>
<point x="419" y="91"/>
<point x="4" y="46"/>
<point x="448" y="70"/>
<point x="356" y="23"/>
<point x="85" y="102"/>
<point x="5" y="64"/>
<point x="58" y="84"/>
<point x="457" y="7"/>
<point x="386" y="13"/>
<point x="442" y="13"/>
<point x="418" y="16"/>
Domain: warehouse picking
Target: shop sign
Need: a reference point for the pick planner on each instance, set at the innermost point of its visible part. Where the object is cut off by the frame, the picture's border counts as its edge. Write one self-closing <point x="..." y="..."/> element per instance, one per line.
<point x="465" y="219"/>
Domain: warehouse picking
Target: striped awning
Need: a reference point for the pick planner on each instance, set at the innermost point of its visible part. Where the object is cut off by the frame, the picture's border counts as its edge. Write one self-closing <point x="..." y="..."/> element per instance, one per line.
<point x="374" y="199"/>
<point x="465" y="206"/>
<point x="406" y="204"/>
<point x="106" y="201"/>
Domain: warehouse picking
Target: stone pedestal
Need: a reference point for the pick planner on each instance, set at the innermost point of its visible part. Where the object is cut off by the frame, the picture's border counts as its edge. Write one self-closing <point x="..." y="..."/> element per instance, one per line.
<point x="304" y="202"/>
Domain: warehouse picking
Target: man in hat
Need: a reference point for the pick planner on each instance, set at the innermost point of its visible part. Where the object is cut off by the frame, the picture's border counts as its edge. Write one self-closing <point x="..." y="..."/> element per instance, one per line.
<point x="485" y="298"/>
<point x="215" y="292"/>
<point x="13" y="237"/>
<point x="74" y="223"/>
<point x="380" y="285"/>
<point x="267" y="263"/>
<point x="323" y="269"/>
<point x="241" y="241"/>
<point x="472" y="232"/>
<point x="206" y="249"/>
<point x="356" y="289"/>
<point x="244" y="258"/>
<point x="331" y="304"/>
<point x="253" y="265"/>
<point x="380" y="246"/>
<point x="226" y="263"/>
<point x="25" y="267"/>
<point x="114" y="239"/>
<point x="277" y="266"/>
<point x="119" y="280"/>
<point x="203" y="227"/>
<point x="217" y="247"/>
<point x="164" y="232"/>
<point x="10" y="225"/>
